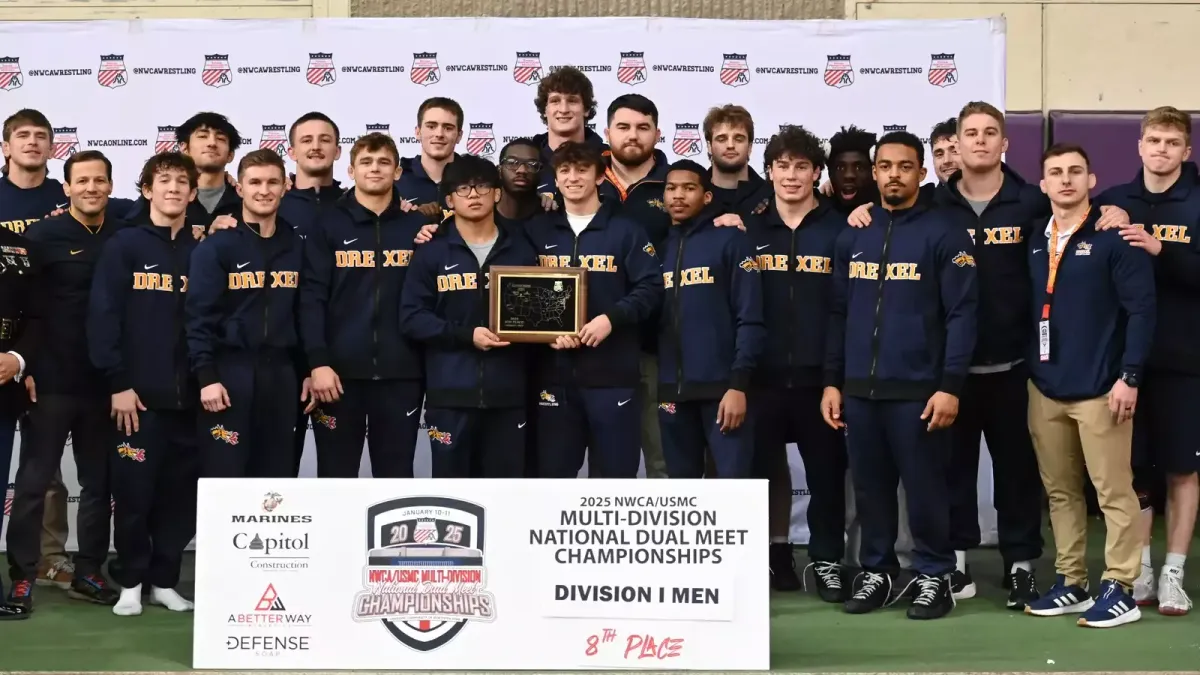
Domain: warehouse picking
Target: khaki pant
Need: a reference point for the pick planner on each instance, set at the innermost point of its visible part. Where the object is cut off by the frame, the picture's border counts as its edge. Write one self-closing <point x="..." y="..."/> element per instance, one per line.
<point x="656" y="466"/>
<point x="1069" y="438"/>
<point x="54" y="523"/>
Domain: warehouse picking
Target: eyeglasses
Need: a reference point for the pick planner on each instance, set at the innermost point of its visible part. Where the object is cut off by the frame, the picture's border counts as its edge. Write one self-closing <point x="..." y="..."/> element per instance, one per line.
<point x="481" y="190"/>
<point x="513" y="163"/>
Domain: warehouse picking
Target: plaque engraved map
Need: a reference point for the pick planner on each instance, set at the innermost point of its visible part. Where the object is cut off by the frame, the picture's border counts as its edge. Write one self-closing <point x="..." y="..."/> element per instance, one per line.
<point x="537" y="304"/>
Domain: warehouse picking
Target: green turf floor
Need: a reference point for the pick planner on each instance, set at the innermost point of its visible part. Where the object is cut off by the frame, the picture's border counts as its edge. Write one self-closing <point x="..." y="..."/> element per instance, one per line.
<point x="807" y="635"/>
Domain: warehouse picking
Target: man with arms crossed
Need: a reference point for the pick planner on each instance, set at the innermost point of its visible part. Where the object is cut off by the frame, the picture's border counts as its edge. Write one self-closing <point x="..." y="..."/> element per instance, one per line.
<point x="1092" y="314"/>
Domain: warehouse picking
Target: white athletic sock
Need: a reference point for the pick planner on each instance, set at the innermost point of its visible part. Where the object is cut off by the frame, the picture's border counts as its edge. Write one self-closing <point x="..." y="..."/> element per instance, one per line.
<point x="167" y="597"/>
<point x="130" y="602"/>
<point x="779" y="540"/>
<point x="1023" y="565"/>
<point x="1176" y="560"/>
<point x="1146" y="557"/>
<point x="960" y="561"/>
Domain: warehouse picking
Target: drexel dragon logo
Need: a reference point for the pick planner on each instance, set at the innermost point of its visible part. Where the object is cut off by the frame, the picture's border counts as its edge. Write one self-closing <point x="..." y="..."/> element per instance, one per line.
<point x="425" y="577"/>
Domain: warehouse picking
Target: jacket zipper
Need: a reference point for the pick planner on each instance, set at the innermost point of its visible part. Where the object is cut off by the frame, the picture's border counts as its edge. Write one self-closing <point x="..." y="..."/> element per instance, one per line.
<point x="678" y="332"/>
<point x="794" y="315"/>
<point x="483" y="292"/>
<point x="178" y="307"/>
<point x="375" y="311"/>
<point x="574" y="261"/>
<point x="883" y="261"/>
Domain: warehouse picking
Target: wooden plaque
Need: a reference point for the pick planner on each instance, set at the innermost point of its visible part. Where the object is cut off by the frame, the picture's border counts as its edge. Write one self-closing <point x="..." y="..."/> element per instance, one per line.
<point x="537" y="304"/>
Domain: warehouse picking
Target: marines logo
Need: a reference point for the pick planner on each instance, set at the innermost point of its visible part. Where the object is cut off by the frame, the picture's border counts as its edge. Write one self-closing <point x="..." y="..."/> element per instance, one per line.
<point x="546" y="399"/>
<point x="734" y="71"/>
<point x="165" y="141"/>
<point x="964" y="259"/>
<point x="112" y="72"/>
<point x="65" y="143"/>
<point x="649" y="249"/>
<point x="379" y="129"/>
<point x="274" y="137"/>
<point x="438" y="436"/>
<point x="838" y="71"/>
<point x="528" y="69"/>
<point x="687" y="141"/>
<point x="321" y="71"/>
<point x="425" y="70"/>
<point x="942" y="71"/>
<point x="219" y="433"/>
<point x="127" y="451"/>
<point x="216" y="71"/>
<point x="327" y="421"/>
<point x="632" y="68"/>
<point x="749" y="265"/>
<point x="425" y="578"/>
<point x="10" y="73"/>
<point x="271" y="501"/>
<point x="481" y="140"/>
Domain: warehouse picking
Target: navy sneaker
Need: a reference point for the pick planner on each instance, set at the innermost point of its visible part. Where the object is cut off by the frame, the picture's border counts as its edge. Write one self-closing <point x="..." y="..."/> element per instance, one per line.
<point x="1115" y="607"/>
<point x="1061" y="599"/>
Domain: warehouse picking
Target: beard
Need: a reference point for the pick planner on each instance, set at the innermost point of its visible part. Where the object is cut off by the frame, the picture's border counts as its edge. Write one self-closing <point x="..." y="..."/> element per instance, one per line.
<point x="730" y="167"/>
<point x="632" y="155"/>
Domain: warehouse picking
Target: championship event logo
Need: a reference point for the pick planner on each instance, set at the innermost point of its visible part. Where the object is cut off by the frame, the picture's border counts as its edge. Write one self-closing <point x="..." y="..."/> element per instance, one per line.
<point x="65" y="143"/>
<point x="425" y="576"/>
<point x="425" y="70"/>
<point x="10" y="73"/>
<point x="838" y="71"/>
<point x="481" y="140"/>
<point x="528" y="69"/>
<point x="165" y="140"/>
<point x="735" y="72"/>
<point x="216" y="71"/>
<point x="274" y="137"/>
<point x="687" y="141"/>
<point x="632" y="68"/>
<point x="942" y="71"/>
<point x="112" y="73"/>
<point x="379" y="129"/>
<point x="321" y="71"/>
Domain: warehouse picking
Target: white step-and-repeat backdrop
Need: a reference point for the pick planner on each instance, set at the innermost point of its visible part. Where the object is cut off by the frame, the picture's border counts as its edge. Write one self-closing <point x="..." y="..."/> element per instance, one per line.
<point x="121" y="86"/>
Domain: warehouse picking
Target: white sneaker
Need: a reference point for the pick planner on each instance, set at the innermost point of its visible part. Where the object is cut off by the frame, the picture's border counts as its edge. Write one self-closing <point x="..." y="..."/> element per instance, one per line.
<point x="1143" y="587"/>
<point x="130" y="602"/>
<point x="1172" y="599"/>
<point x="167" y="597"/>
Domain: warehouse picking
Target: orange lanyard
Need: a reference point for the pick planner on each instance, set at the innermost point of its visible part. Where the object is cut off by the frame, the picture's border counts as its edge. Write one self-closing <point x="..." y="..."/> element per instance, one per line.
<point x="1055" y="256"/>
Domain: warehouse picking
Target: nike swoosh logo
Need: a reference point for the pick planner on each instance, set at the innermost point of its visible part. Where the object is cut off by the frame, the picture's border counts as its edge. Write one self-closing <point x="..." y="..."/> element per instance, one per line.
<point x="450" y="267"/>
<point x="77" y="252"/>
<point x="621" y="403"/>
<point x="543" y="186"/>
<point x="410" y="412"/>
<point x="347" y="242"/>
<point x="149" y="267"/>
<point x="759" y="248"/>
<point x="550" y="246"/>
<point x="521" y="425"/>
<point x="1037" y="250"/>
<point x="62" y="206"/>
<point x="856" y="254"/>
<point x="242" y="265"/>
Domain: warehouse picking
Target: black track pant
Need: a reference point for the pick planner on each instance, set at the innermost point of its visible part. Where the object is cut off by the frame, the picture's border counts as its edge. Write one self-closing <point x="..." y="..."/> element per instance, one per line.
<point x="43" y="436"/>
<point x="253" y="438"/>
<point x="154" y="474"/>
<point x="393" y="409"/>
<point x="477" y="443"/>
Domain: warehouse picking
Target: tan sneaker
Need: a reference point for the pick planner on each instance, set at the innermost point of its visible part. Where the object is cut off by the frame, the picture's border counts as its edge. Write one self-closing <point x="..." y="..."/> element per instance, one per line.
<point x="58" y="573"/>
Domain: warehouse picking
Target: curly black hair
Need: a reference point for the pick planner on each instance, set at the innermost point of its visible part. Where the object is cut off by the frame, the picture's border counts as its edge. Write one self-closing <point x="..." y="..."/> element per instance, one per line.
<point x="942" y="130"/>
<point x="566" y="80"/>
<point x="796" y="141"/>
<point x="852" y="139"/>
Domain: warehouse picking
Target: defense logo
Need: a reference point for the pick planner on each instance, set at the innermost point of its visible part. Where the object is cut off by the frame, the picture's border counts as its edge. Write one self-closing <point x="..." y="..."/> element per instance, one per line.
<point x="687" y="141"/>
<point x="274" y="137"/>
<point x="10" y="73"/>
<point x="438" y="436"/>
<point x="529" y="68"/>
<point x="838" y="71"/>
<point x="127" y="451"/>
<point x="425" y="576"/>
<point x="734" y="71"/>
<point x="165" y="141"/>
<point x="632" y="69"/>
<point x="964" y="259"/>
<point x="216" y="71"/>
<point x="112" y="72"/>
<point x="942" y="71"/>
<point x="65" y="143"/>
<point x="379" y="129"/>
<point x="321" y="71"/>
<point x="481" y="140"/>
<point x="889" y="128"/>
<point x="425" y="70"/>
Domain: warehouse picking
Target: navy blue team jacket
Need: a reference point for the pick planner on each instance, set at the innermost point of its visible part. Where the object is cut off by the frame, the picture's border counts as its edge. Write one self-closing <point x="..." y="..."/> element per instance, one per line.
<point x="242" y="295"/>
<point x="21" y="206"/>
<point x="135" y="320"/>
<point x="442" y="303"/>
<point x="797" y="287"/>
<point x="711" y="332"/>
<point x="1101" y="315"/>
<point x="546" y="180"/>
<point x="902" y="321"/>
<point x="300" y="207"/>
<point x="355" y="263"/>
<point x="624" y="282"/>
<point x="1173" y="218"/>
<point x="415" y="185"/>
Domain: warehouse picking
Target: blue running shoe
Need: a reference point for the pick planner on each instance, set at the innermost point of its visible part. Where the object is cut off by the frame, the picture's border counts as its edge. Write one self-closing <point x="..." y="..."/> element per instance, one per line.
<point x="1061" y="599"/>
<point x="1115" y="607"/>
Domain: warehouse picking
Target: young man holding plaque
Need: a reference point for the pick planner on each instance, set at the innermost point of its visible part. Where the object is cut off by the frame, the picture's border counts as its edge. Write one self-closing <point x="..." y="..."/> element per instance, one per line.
<point x="587" y="391"/>
<point x="475" y="382"/>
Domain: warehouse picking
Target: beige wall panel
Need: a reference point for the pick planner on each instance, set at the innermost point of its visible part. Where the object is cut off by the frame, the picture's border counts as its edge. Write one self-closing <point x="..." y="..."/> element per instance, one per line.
<point x="1147" y="58"/>
<point x="712" y="9"/>
<point x="134" y="12"/>
<point x="1023" y="86"/>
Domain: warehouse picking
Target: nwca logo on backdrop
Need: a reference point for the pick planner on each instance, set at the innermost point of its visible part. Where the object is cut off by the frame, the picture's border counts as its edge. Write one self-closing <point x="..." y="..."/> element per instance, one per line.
<point x="425" y="70"/>
<point x="632" y="68"/>
<point x="379" y="129"/>
<point x="942" y="71"/>
<point x="321" y="71"/>
<point x="10" y="73"/>
<point x="481" y="140"/>
<point x="838" y="71"/>
<point x="687" y="141"/>
<point x="274" y="137"/>
<point x="529" y="68"/>
<point x="165" y="140"/>
<point x="890" y="128"/>
<point x="216" y="71"/>
<point x="65" y="143"/>
<point x="735" y="72"/>
<point x="112" y="73"/>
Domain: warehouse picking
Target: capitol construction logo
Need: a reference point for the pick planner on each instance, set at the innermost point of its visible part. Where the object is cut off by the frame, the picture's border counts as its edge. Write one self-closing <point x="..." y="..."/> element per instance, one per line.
<point x="65" y="143"/>
<point x="425" y="70"/>
<point x="481" y="140"/>
<point x="216" y="71"/>
<point x="632" y="68"/>
<point x="165" y="140"/>
<point x="10" y="73"/>
<point x="528" y="69"/>
<point x="425" y="578"/>
<point x="112" y="73"/>
<point x="735" y="72"/>
<point x="838" y="71"/>
<point x="687" y="141"/>
<point x="274" y="137"/>
<point x="942" y="71"/>
<point x="321" y="71"/>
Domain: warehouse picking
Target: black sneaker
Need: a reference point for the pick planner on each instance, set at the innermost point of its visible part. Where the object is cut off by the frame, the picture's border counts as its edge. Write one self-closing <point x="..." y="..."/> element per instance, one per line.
<point x="21" y="595"/>
<point x="94" y="589"/>
<point x="12" y="613"/>
<point x="829" y="581"/>
<point x="934" y="598"/>
<point x="1022" y="590"/>
<point x="962" y="585"/>
<point x="783" y="568"/>
<point x="874" y="592"/>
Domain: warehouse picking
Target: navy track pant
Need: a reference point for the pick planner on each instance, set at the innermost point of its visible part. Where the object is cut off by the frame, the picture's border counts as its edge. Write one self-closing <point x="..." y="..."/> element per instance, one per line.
<point x="393" y="410"/>
<point x="255" y="436"/>
<point x="688" y="426"/>
<point x="477" y="442"/>
<point x="604" y="421"/>
<point x="887" y="442"/>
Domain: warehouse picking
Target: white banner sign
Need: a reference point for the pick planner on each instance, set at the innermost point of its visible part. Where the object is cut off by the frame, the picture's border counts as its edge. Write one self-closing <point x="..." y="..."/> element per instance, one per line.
<point x="343" y="574"/>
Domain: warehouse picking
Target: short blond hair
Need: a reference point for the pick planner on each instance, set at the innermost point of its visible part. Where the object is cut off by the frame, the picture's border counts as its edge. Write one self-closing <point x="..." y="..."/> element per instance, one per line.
<point x="982" y="108"/>
<point x="1171" y="118"/>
